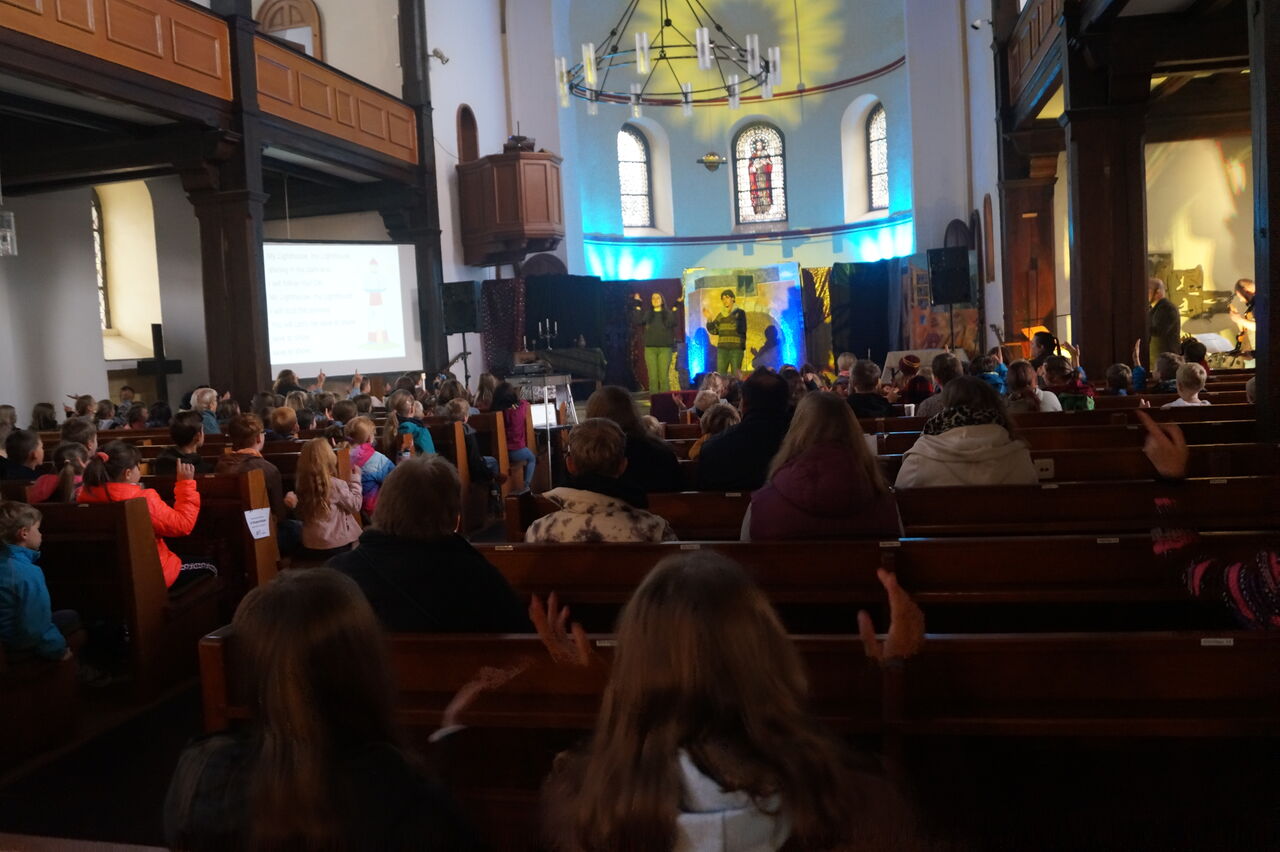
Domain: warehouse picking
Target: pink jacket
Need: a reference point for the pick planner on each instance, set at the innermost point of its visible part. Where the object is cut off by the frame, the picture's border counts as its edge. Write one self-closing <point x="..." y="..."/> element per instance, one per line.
<point x="338" y="527"/>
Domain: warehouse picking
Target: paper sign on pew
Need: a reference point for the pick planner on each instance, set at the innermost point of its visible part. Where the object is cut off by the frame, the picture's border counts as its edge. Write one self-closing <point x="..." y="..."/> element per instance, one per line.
<point x="259" y="521"/>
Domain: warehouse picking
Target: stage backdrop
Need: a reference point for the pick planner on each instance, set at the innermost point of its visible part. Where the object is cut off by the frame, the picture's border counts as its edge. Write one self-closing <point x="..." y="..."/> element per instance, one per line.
<point x="864" y="308"/>
<point x="574" y="302"/>
<point x="770" y="296"/>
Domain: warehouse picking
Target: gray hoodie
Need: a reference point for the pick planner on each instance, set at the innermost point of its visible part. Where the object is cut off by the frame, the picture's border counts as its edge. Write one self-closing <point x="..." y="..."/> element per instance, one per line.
<point x="716" y="820"/>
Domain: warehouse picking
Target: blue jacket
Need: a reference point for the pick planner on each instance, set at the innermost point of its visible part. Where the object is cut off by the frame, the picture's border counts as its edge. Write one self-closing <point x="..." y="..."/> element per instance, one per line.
<point x="209" y="421"/>
<point x="421" y="435"/>
<point x="996" y="380"/>
<point x="26" y="616"/>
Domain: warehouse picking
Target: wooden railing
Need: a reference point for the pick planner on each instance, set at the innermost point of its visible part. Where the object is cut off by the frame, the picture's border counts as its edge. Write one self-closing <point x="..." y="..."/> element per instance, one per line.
<point x="297" y="88"/>
<point x="173" y="41"/>
<point x="1038" y="27"/>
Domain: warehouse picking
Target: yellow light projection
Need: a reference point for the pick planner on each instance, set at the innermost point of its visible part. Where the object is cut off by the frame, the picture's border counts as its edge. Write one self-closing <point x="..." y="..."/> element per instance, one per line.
<point x="822" y="38"/>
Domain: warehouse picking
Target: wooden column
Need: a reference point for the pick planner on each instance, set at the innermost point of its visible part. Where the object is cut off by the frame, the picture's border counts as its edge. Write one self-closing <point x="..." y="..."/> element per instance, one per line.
<point x="1264" y="63"/>
<point x="1030" y="271"/>
<point x="225" y="185"/>
<point x="420" y="223"/>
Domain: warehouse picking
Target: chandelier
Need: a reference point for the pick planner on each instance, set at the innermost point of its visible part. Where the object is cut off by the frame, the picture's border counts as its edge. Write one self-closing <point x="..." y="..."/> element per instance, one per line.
<point x="711" y="67"/>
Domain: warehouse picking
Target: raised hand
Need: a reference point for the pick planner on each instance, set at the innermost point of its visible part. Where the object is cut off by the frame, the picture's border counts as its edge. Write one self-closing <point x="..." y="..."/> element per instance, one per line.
<point x="1166" y="446"/>
<point x="906" y="624"/>
<point x="291" y="500"/>
<point x="1137" y="352"/>
<point x="566" y="646"/>
<point x="186" y="471"/>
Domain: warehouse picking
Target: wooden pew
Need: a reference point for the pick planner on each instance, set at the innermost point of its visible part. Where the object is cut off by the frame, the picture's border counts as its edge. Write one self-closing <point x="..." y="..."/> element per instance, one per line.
<point x="222" y="532"/>
<point x="491" y="434"/>
<point x="1193" y="684"/>
<point x="1234" y="503"/>
<point x="101" y="560"/>
<point x="41" y="706"/>
<point x="1102" y="417"/>
<point x="679" y="431"/>
<point x="450" y="442"/>
<point x="1080" y="437"/>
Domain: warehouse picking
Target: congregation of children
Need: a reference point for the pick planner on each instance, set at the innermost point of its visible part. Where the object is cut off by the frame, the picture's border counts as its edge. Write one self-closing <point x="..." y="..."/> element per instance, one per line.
<point x="703" y="740"/>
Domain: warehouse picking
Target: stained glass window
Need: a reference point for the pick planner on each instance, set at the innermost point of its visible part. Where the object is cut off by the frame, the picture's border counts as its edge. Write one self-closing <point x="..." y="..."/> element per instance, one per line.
<point x="100" y="262"/>
<point x="634" y="178"/>
<point x="878" y="158"/>
<point x="759" y="178"/>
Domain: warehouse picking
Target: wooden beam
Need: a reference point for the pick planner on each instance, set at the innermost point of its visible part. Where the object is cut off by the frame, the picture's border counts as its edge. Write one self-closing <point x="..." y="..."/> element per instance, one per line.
<point x="304" y="200"/>
<point x="31" y="168"/>
<point x="1264" y="55"/>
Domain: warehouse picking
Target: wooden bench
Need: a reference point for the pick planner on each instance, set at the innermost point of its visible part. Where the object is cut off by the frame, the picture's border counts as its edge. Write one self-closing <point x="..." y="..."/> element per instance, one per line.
<point x="1083" y="437"/>
<point x="41" y="706"/>
<point x="1229" y="503"/>
<point x="491" y="435"/>
<point x="1066" y="419"/>
<point x="101" y="560"/>
<point x="223" y="534"/>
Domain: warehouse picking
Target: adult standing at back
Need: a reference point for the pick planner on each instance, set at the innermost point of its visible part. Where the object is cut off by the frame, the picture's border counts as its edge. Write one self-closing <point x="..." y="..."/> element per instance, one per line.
<point x="945" y="368"/>
<point x="738" y="458"/>
<point x="1164" y="323"/>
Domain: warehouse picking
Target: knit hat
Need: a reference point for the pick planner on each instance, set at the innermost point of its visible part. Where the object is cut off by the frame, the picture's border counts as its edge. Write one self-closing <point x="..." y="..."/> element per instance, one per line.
<point x="909" y="364"/>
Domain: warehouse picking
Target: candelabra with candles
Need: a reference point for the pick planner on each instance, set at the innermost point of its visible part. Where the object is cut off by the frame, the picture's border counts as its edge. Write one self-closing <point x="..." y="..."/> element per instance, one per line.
<point x="547" y="333"/>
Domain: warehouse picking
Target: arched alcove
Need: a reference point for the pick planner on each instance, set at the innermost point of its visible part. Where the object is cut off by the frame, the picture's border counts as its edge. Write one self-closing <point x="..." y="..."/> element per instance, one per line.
<point x="468" y="135"/>
<point x="659" y="175"/>
<point x="853" y="158"/>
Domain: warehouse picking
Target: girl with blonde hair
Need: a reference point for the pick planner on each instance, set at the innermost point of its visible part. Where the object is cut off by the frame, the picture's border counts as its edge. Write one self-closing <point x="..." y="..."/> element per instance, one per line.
<point x="327" y="505"/>
<point x="824" y="481"/>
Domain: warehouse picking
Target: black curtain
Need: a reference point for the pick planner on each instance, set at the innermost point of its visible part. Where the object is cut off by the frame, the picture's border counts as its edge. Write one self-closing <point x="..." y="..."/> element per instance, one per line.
<point x="575" y="302"/>
<point x="865" y="308"/>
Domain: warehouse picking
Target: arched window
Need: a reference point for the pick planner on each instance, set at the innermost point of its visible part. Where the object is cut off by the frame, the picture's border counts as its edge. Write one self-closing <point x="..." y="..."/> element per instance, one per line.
<point x="296" y="21"/>
<point x="759" y="175"/>
<point x="100" y="260"/>
<point x="877" y="159"/>
<point x="635" y="178"/>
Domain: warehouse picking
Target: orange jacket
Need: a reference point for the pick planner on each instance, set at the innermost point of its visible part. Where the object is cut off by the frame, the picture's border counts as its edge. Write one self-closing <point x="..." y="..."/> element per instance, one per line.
<point x="174" y="521"/>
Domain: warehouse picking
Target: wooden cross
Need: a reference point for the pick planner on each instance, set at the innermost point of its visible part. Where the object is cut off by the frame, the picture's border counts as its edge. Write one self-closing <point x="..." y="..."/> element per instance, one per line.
<point x="157" y="365"/>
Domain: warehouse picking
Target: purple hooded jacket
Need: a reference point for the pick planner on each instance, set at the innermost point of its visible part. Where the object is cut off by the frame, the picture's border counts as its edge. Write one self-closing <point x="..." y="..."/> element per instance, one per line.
<point x="822" y="493"/>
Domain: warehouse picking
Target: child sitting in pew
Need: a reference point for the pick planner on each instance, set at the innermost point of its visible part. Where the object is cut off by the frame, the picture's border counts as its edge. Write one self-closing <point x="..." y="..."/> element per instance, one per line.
<point x="24" y="452"/>
<point x="374" y="466"/>
<point x="1190" y="382"/>
<point x="327" y="505"/>
<point x="484" y="469"/>
<point x="320" y="763"/>
<point x="105" y="415"/>
<point x="1065" y="382"/>
<point x="1119" y="381"/>
<point x="247" y="439"/>
<point x="869" y="397"/>
<point x="63" y="485"/>
<point x="283" y="424"/>
<point x="1165" y="379"/>
<point x="113" y="475"/>
<point x="81" y="432"/>
<point x="29" y="628"/>
<point x="597" y="506"/>
<point x="43" y="417"/>
<point x="418" y="573"/>
<point x="704" y="734"/>
<point x="136" y="417"/>
<point x="717" y="418"/>
<point x="187" y="433"/>
<point x="404" y="418"/>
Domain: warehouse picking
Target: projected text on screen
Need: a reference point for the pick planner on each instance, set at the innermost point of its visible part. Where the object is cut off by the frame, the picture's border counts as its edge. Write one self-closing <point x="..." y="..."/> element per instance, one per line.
<point x="334" y="303"/>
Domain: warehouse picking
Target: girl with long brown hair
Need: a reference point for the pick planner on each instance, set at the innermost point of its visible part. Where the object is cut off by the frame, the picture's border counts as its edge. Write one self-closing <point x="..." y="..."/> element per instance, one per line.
<point x="824" y="481"/>
<point x="704" y="733"/>
<point x="327" y="505"/>
<point x="320" y="764"/>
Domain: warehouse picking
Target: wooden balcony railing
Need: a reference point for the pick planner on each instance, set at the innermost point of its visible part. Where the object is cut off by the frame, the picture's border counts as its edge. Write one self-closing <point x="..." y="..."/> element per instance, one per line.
<point x="295" y="87"/>
<point x="1038" y="26"/>
<point x="167" y="39"/>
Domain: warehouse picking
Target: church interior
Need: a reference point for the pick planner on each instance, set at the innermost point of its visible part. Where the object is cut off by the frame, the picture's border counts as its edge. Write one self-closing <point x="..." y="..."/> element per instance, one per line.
<point x="639" y="424"/>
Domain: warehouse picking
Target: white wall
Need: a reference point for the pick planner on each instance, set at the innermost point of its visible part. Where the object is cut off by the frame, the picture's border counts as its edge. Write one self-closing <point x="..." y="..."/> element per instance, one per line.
<point x="50" y="296"/>
<point x="181" y="285"/>
<point x="1062" y="251"/>
<point x="984" y="148"/>
<point x="1200" y="206"/>
<point x="939" y="161"/>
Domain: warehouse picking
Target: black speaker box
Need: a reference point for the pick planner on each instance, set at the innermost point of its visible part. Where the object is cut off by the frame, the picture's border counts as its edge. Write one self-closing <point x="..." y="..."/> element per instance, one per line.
<point x="949" y="279"/>
<point x="461" y="307"/>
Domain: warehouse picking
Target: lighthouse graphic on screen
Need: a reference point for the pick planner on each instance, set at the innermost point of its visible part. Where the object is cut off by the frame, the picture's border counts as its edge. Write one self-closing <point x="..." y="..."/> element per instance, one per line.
<point x="376" y="312"/>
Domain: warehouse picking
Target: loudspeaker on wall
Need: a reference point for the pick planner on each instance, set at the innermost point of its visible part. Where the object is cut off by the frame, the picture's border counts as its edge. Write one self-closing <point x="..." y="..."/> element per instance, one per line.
<point x="461" y="307"/>
<point x="949" y="280"/>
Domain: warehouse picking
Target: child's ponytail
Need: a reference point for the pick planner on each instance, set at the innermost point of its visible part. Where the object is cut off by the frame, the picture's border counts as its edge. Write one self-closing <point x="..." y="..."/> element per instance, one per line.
<point x="69" y="459"/>
<point x="111" y="464"/>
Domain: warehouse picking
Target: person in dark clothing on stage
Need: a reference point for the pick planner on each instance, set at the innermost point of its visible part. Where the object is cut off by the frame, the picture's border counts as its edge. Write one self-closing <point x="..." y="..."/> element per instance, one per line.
<point x="1164" y="323"/>
<point x="738" y="458"/>
<point x="660" y="324"/>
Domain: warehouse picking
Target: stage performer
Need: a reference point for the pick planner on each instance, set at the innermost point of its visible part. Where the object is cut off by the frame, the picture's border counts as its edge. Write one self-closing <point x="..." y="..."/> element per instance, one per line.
<point x="728" y="334"/>
<point x="760" y="168"/>
<point x="1241" y="309"/>
<point x="659" y="323"/>
<point x="1164" y="323"/>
